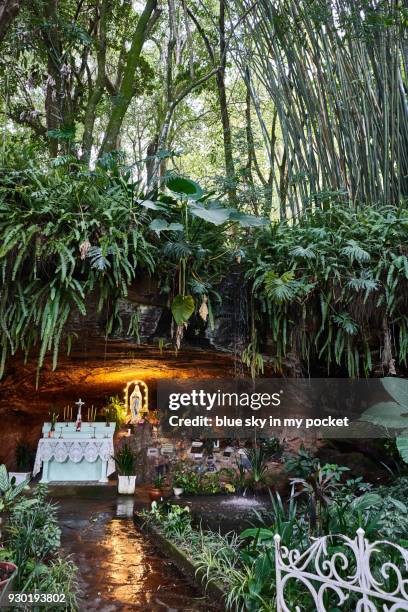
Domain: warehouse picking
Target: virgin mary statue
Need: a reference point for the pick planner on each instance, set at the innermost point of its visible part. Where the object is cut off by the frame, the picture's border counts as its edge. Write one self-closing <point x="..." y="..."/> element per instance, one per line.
<point x="135" y="402"/>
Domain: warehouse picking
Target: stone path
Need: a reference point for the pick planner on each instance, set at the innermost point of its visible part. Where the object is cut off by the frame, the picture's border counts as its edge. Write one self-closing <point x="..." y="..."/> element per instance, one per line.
<point x="119" y="567"/>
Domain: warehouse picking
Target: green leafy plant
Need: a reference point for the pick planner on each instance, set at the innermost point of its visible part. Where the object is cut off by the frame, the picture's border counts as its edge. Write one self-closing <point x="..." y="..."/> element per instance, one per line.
<point x="32" y="538"/>
<point x="319" y="488"/>
<point x="300" y="464"/>
<point x="325" y="280"/>
<point x="54" y="416"/>
<point x="392" y="415"/>
<point x="258" y="460"/>
<point x="125" y="461"/>
<point x="182" y="308"/>
<point x="158" y="481"/>
<point x="63" y="235"/>
<point x="116" y="411"/>
<point x="8" y="490"/>
<point x="186" y="479"/>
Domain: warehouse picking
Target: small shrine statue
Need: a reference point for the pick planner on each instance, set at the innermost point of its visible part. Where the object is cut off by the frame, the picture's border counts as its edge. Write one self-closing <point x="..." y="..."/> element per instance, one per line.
<point x="135" y="402"/>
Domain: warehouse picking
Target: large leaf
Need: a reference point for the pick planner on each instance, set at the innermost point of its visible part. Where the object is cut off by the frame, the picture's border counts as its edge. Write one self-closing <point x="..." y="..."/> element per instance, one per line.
<point x="402" y="445"/>
<point x="387" y="414"/>
<point x="182" y="308"/>
<point x="248" y="220"/>
<point x="152" y="205"/>
<point x="260" y="533"/>
<point x="397" y="388"/>
<point x="4" y="479"/>
<point x="158" y="225"/>
<point x="184" y="187"/>
<point x="161" y="225"/>
<point x="215" y="215"/>
<point x="366" y="501"/>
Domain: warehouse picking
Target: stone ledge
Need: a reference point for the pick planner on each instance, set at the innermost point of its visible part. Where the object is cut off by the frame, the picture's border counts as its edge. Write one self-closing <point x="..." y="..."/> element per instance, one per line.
<point x="180" y="560"/>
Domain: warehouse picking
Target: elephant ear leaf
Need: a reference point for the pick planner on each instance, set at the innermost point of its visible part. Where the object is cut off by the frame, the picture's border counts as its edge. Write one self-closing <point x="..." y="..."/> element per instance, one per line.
<point x="397" y="388"/>
<point x="159" y="225"/>
<point x="248" y="220"/>
<point x="182" y="308"/>
<point x="184" y="187"/>
<point x="217" y="215"/>
<point x="387" y="414"/>
<point x="402" y="445"/>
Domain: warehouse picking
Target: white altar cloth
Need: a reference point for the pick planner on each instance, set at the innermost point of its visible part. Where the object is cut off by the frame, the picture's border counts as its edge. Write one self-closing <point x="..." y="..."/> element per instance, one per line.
<point x="67" y="450"/>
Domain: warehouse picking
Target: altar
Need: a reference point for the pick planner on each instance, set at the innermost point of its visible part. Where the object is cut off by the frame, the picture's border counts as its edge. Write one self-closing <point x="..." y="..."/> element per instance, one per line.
<point x="69" y="455"/>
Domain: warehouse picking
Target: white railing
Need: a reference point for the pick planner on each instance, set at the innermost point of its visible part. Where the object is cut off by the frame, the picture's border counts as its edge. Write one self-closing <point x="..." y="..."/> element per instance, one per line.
<point x="344" y="570"/>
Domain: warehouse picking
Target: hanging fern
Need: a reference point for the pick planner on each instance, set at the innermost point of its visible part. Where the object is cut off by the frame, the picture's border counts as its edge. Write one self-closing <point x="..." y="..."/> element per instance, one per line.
<point x="63" y="236"/>
<point x="332" y="284"/>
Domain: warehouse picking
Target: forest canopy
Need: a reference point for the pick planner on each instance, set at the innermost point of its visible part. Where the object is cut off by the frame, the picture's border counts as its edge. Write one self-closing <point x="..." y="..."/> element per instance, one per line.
<point x="180" y="138"/>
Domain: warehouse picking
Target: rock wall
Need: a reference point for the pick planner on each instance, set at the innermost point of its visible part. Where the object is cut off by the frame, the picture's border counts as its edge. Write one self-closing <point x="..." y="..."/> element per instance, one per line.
<point x="94" y="373"/>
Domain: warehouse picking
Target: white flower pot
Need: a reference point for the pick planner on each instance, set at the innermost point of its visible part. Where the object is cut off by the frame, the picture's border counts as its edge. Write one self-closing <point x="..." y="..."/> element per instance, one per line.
<point x="178" y="491"/>
<point x="20" y="476"/>
<point x="126" y="485"/>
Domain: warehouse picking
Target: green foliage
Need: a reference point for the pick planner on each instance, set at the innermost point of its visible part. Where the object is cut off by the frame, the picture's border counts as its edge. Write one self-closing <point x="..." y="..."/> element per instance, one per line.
<point x="244" y="566"/>
<point x="125" y="461"/>
<point x="70" y="234"/>
<point x="177" y="521"/>
<point x="194" y="482"/>
<point x="182" y="307"/>
<point x="116" y="411"/>
<point x="258" y="458"/>
<point x="184" y="187"/>
<point x="32" y="540"/>
<point x="300" y="464"/>
<point x="9" y="492"/>
<point x="325" y="282"/>
<point x="33" y="531"/>
<point x="253" y="359"/>
<point x="392" y="415"/>
<point x="65" y="235"/>
<point x="158" y="481"/>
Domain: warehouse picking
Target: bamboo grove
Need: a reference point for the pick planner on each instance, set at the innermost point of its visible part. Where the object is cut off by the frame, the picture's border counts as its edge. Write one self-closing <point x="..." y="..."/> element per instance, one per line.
<point x="337" y="73"/>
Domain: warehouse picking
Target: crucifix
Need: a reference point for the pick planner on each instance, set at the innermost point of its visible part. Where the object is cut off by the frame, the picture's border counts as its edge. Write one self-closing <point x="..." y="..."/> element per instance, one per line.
<point x="79" y="403"/>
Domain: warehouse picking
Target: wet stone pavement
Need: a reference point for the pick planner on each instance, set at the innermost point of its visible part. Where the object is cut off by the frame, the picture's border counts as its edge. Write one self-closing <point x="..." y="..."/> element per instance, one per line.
<point x="119" y="568"/>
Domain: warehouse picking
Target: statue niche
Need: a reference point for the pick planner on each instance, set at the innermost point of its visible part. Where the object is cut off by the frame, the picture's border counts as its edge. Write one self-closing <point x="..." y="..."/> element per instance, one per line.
<point x="137" y="401"/>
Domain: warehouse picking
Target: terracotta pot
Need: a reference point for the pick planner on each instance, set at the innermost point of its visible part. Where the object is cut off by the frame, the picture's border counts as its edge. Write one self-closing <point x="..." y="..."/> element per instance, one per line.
<point x="7" y="583"/>
<point x="155" y="494"/>
<point x="167" y="491"/>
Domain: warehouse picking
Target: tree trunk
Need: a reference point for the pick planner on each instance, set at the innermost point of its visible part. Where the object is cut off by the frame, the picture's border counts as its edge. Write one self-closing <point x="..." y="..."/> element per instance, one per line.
<point x="222" y="97"/>
<point x="126" y="90"/>
<point x="8" y="12"/>
<point x="387" y="360"/>
<point x="97" y="92"/>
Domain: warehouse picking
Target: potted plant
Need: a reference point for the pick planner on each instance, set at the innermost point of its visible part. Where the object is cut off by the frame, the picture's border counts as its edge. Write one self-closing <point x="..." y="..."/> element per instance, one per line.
<point x="156" y="491"/>
<point x="125" y="465"/>
<point x="53" y="418"/>
<point x="178" y="483"/>
<point x="24" y="462"/>
<point x="258" y="466"/>
<point x="107" y="412"/>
